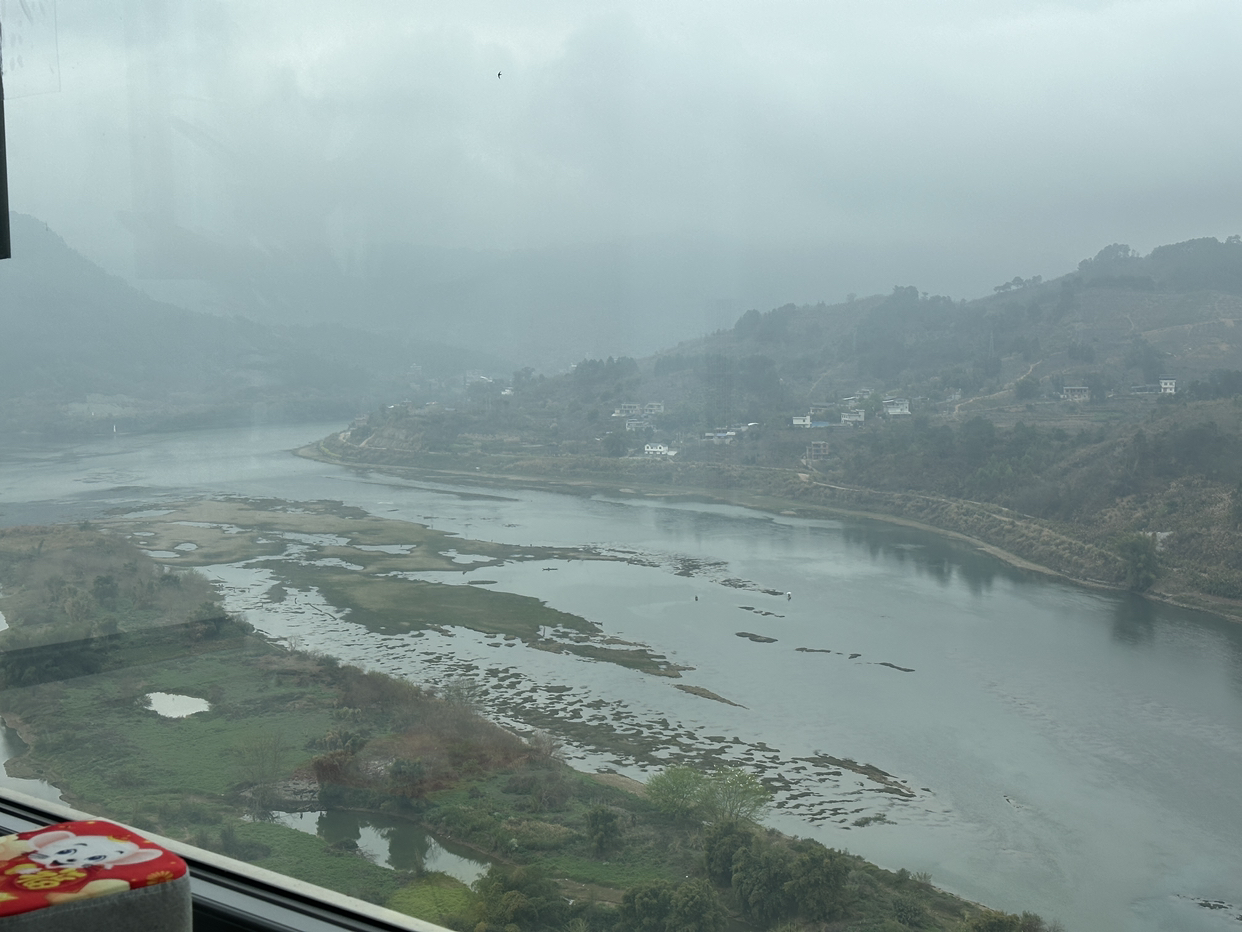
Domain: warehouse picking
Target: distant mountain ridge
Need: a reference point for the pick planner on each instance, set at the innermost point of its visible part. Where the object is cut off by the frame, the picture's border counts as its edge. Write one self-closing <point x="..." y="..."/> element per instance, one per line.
<point x="1120" y="318"/>
<point x="72" y="332"/>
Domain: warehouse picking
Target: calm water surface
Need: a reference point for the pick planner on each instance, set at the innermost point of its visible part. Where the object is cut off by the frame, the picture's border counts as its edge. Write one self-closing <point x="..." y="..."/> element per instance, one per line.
<point x="1069" y="752"/>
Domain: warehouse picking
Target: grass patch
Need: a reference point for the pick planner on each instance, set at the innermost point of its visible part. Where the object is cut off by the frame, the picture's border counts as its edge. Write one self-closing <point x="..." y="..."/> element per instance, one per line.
<point x="434" y="897"/>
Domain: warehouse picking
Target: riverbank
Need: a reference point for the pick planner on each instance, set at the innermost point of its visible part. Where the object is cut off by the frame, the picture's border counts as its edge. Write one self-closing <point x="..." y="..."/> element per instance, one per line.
<point x="368" y="741"/>
<point x="1021" y="541"/>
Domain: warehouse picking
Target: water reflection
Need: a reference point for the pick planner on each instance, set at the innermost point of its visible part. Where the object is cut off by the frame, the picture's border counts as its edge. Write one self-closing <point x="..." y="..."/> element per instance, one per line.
<point x="1134" y="620"/>
<point x="390" y="842"/>
<point x="928" y="555"/>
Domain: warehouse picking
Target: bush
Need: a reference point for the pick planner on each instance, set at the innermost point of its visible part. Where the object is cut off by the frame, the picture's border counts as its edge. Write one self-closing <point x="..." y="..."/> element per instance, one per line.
<point x="520" y="896"/>
<point x="909" y="911"/>
<point x="603" y="828"/>
<point x="732" y="795"/>
<point x="721" y="843"/>
<point x="646" y="908"/>
<point x="817" y="881"/>
<point x="762" y="875"/>
<point x="677" y="792"/>
<point x="695" y="908"/>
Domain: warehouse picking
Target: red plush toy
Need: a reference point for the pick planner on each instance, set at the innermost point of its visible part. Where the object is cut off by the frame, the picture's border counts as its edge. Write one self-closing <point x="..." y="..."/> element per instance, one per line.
<point x="76" y="861"/>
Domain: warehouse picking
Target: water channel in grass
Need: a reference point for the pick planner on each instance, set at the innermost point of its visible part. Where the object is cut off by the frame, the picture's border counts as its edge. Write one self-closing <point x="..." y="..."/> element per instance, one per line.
<point x="1049" y="748"/>
<point x="390" y="842"/>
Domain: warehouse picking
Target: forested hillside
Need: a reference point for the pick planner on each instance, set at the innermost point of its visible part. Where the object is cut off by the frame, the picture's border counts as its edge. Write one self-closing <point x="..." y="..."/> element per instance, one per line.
<point x="1122" y="485"/>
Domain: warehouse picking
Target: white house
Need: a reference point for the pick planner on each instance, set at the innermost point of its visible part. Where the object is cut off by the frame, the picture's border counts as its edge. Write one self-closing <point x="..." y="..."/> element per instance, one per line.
<point x="635" y="423"/>
<point x="893" y="406"/>
<point x="653" y="407"/>
<point x="1076" y="393"/>
<point x="630" y="410"/>
<point x="1168" y="386"/>
<point x="853" y="417"/>
<point x="801" y="421"/>
<point x="657" y="449"/>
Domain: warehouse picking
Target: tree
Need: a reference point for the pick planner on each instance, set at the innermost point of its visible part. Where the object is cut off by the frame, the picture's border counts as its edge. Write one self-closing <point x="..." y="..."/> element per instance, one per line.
<point x="615" y="445"/>
<point x="1138" y="555"/>
<point x="519" y="896"/>
<point x="762" y="874"/>
<point x="817" y="881"/>
<point x="646" y="908"/>
<point x="677" y="791"/>
<point x="603" y="828"/>
<point x="733" y="795"/>
<point x="721" y="843"/>
<point x="695" y="907"/>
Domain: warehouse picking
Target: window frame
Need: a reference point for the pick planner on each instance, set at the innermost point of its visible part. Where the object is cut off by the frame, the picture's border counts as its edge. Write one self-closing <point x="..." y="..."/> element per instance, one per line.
<point x="231" y="895"/>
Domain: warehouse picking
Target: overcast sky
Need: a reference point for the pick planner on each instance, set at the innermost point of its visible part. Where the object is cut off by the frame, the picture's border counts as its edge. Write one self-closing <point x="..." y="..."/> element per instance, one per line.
<point x="951" y="145"/>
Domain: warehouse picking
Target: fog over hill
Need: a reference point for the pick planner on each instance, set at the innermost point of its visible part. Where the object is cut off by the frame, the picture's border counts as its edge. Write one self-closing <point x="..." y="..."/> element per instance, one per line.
<point x="81" y="345"/>
<point x="1121" y="319"/>
<point x="548" y="307"/>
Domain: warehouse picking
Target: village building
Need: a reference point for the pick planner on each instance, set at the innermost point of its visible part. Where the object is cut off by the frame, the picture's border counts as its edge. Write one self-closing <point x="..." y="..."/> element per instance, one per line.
<point x="853" y="417"/>
<point x="630" y="410"/>
<point x="658" y="449"/>
<point x="817" y="450"/>
<point x="1076" y="393"/>
<point x="635" y="423"/>
<point x="896" y="406"/>
<point x="652" y="408"/>
<point x="1168" y="386"/>
<point x="801" y="420"/>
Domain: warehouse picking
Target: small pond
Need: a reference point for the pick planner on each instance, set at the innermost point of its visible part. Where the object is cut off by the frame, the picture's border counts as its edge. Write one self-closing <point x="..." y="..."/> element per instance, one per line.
<point x="11" y="746"/>
<point x="390" y="842"/>
<point x="172" y="705"/>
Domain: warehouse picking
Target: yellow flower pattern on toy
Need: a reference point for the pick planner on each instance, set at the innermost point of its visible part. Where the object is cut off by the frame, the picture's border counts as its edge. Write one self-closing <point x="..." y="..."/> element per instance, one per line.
<point x="159" y="877"/>
<point x="48" y="879"/>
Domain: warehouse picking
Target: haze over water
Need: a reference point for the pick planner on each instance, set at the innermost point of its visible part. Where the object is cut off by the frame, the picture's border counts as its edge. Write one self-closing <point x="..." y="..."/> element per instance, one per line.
<point x="1071" y="752"/>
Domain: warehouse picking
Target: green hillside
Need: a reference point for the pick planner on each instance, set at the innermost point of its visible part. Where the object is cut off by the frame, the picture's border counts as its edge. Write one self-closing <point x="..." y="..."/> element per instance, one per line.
<point x="1123" y="486"/>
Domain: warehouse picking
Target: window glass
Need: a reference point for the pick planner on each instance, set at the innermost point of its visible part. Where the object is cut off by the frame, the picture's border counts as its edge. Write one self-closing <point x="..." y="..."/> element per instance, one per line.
<point x="572" y="466"/>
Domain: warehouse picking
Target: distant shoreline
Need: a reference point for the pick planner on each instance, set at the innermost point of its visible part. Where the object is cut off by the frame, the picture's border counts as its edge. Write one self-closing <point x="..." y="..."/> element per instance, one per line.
<point x="468" y="473"/>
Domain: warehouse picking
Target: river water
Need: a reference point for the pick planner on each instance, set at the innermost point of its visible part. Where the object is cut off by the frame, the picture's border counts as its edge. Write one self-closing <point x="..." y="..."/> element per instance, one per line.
<point x="1071" y="752"/>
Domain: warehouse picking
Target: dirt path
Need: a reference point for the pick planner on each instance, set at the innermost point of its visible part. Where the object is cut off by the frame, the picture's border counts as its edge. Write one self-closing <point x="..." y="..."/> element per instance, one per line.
<point x="1009" y="386"/>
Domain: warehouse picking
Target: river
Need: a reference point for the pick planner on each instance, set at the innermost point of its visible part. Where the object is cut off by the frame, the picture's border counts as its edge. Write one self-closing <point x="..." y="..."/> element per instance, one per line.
<point x="1066" y="751"/>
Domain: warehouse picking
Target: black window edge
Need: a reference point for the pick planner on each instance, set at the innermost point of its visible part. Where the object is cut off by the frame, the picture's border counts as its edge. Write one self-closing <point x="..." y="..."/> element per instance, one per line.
<point x="233" y="895"/>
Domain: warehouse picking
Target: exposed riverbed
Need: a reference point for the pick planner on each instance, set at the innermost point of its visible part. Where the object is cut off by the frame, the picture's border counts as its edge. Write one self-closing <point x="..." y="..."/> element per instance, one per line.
<point x="1031" y="744"/>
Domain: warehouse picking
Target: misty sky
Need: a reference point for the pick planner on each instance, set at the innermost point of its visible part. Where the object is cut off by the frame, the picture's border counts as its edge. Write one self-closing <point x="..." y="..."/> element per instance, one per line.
<point x="951" y="145"/>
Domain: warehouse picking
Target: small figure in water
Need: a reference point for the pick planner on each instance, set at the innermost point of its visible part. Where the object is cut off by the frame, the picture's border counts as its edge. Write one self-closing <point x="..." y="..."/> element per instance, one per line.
<point x="788" y="596"/>
<point x="696" y="598"/>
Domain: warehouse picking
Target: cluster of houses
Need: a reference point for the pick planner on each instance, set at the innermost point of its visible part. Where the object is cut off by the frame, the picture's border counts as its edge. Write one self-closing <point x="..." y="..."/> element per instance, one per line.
<point x="852" y="415"/>
<point x="719" y="435"/>
<point x="1082" y="393"/>
<point x="639" y="416"/>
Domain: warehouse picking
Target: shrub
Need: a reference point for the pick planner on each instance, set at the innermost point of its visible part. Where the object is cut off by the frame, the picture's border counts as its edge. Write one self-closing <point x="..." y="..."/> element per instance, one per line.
<point x="733" y="795"/>
<point x="695" y="908"/>
<point x="721" y="842"/>
<point x="603" y="828"/>
<point x="646" y="908"/>
<point x="677" y="792"/>
<point x="817" y="881"/>
<point x="762" y="875"/>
